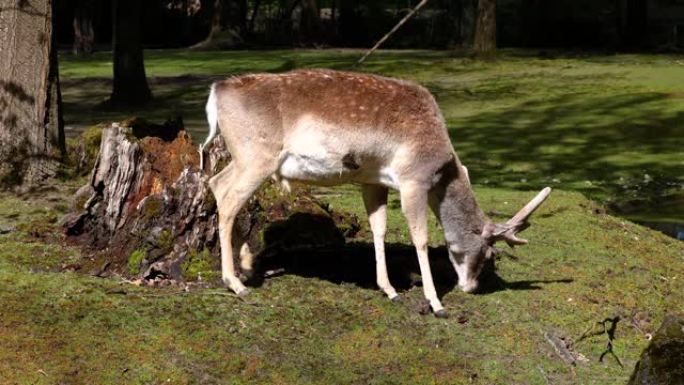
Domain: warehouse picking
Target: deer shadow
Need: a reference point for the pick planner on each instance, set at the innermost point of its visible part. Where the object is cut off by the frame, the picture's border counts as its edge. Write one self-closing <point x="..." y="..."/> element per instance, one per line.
<point x="355" y="263"/>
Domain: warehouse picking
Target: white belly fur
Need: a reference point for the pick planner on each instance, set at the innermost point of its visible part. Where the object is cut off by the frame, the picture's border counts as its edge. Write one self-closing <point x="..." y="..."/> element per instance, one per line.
<point x="312" y="156"/>
<point x="329" y="170"/>
<point x="308" y="167"/>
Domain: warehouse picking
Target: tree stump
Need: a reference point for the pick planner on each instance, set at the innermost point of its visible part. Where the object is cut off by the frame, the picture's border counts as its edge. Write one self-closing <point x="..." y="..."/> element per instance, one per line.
<point x="662" y="361"/>
<point x="147" y="211"/>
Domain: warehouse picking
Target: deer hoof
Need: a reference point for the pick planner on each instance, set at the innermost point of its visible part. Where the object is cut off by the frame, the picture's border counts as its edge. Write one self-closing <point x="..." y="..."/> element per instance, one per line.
<point x="441" y="313"/>
<point x="243" y="293"/>
<point x="396" y="298"/>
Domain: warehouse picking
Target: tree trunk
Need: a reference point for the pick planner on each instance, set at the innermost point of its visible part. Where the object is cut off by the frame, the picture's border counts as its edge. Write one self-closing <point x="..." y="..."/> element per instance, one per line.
<point x="228" y="25"/>
<point x="130" y="83"/>
<point x="148" y="212"/>
<point x="485" y="32"/>
<point x="253" y="17"/>
<point x="310" y="26"/>
<point x="635" y="31"/>
<point x="468" y="22"/>
<point x="31" y="127"/>
<point x="348" y="24"/>
<point x="84" y="33"/>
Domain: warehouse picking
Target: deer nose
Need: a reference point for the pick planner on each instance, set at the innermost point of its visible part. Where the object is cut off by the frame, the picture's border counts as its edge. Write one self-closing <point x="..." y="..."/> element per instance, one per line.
<point x="470" y="286"/>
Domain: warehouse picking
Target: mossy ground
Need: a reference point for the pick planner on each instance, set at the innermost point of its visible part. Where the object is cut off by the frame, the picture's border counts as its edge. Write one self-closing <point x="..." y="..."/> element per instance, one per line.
<point x="607" y="125"/>
<point x="580" y="267"/>
<point x="577" y="123"/>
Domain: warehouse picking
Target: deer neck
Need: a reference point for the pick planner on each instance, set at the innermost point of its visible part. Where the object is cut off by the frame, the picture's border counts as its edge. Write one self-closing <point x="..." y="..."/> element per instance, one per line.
<point x="454" y="203"/>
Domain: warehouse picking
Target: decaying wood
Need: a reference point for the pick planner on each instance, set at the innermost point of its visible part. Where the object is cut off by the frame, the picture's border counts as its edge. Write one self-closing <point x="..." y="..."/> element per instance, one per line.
<point x="147" y="209"/>
<point x="563" y="348"/>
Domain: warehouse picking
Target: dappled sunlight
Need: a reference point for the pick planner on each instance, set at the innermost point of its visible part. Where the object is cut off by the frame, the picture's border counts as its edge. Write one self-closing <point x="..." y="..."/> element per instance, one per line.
<point x="581" y="121"/>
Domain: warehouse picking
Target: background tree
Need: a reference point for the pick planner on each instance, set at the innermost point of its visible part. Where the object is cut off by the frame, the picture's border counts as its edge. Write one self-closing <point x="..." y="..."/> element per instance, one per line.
<point x="228" y="24"/>
<point x="468" y="21"/>
<point x="485" y="31"/>
<point x="31" y="127"/>
<point x="84" y="31"/>
<point x="130" y="83"/>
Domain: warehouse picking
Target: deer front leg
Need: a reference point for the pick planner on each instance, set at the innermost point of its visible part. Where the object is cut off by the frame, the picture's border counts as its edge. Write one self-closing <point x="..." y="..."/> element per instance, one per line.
<point x="414" y="205"/>
<point x="375" y="200"/>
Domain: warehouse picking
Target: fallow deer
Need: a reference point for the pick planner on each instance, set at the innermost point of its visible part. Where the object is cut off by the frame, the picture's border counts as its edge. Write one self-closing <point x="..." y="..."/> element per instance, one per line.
<point x="328" y="127"/>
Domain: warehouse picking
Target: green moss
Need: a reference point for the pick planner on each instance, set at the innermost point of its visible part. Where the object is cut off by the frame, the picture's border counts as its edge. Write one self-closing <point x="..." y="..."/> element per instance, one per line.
<point x="198" y="264"/>
<point x="165" y="240"/>
<point x="135" y="260"/>
<point x="153" y="207"/>
<point x="79" y="202"/>
<point x="580" y="267"/>
<point x="91" y="137"/>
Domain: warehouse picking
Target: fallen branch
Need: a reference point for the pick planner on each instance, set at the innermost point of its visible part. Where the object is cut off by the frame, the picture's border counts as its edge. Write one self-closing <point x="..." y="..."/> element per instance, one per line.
<point x="392" y="31"/>
<point x="561" y="348"/>
<point x="609" y="332"/>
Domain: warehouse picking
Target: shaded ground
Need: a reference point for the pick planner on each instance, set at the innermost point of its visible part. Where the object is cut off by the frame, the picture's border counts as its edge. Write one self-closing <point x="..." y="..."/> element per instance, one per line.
<point x="321" y="321"/>
<point x="609" y="126"/>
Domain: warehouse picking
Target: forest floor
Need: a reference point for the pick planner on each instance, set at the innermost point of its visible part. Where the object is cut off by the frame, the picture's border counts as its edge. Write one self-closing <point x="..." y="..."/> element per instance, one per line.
<point x="578" y="124"/>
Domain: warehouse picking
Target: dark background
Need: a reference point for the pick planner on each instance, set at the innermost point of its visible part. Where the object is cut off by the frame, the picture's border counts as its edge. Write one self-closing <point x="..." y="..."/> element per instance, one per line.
<point x="626" y="25"/>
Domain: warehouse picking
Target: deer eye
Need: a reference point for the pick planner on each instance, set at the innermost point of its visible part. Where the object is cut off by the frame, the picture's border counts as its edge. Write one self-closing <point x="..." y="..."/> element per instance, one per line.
<point x="456" y="251"/>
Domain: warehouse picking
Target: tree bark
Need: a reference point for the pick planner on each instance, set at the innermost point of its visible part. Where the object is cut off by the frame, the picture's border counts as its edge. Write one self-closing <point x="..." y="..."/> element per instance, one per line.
<point x="310" y="26"/>
<point x="84" y="33"/>
<point x="228" y="25"/>
<point x="485" y="32"/>
<point x="31" y="127"/>
<point x="468" y="22"/>
<point x="130" y="83"/>
<point x="253" y="17"/>
<point x="148" y="212"/>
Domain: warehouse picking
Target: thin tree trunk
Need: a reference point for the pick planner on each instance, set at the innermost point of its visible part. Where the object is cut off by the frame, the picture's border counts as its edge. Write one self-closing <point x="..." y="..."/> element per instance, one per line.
<point x="130" y="83"/>
<point x="310" y="22"/>
<point x="252" y="19"/>
<point x="215" y="23"/>
<point x="485" y="32"/>
<point x="84" y="33"/>
<point x="228" y="23"/>
<point x="468" y="22"/>
<point x="31" y="127"/>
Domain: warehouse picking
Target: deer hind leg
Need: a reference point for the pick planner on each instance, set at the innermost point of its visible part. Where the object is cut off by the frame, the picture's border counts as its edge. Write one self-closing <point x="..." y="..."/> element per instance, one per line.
<point x="375" y="200"/>
<point x="414" y="205"/>
<point x="232" y="187"/>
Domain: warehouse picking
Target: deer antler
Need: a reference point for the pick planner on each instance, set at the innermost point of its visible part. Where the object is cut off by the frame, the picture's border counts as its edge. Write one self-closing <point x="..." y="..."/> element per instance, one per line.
<point x="507" y="231"/>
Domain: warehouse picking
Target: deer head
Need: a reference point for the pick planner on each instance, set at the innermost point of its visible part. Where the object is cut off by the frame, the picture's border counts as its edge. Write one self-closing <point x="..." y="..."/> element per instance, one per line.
<point x="469" y="234"/>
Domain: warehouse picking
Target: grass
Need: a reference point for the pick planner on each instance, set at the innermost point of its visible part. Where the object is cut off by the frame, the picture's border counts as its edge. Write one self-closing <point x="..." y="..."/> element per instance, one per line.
<point x="580" y="267"/>
<point x="591" y="124"/>
<point x="609" y="126"/>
